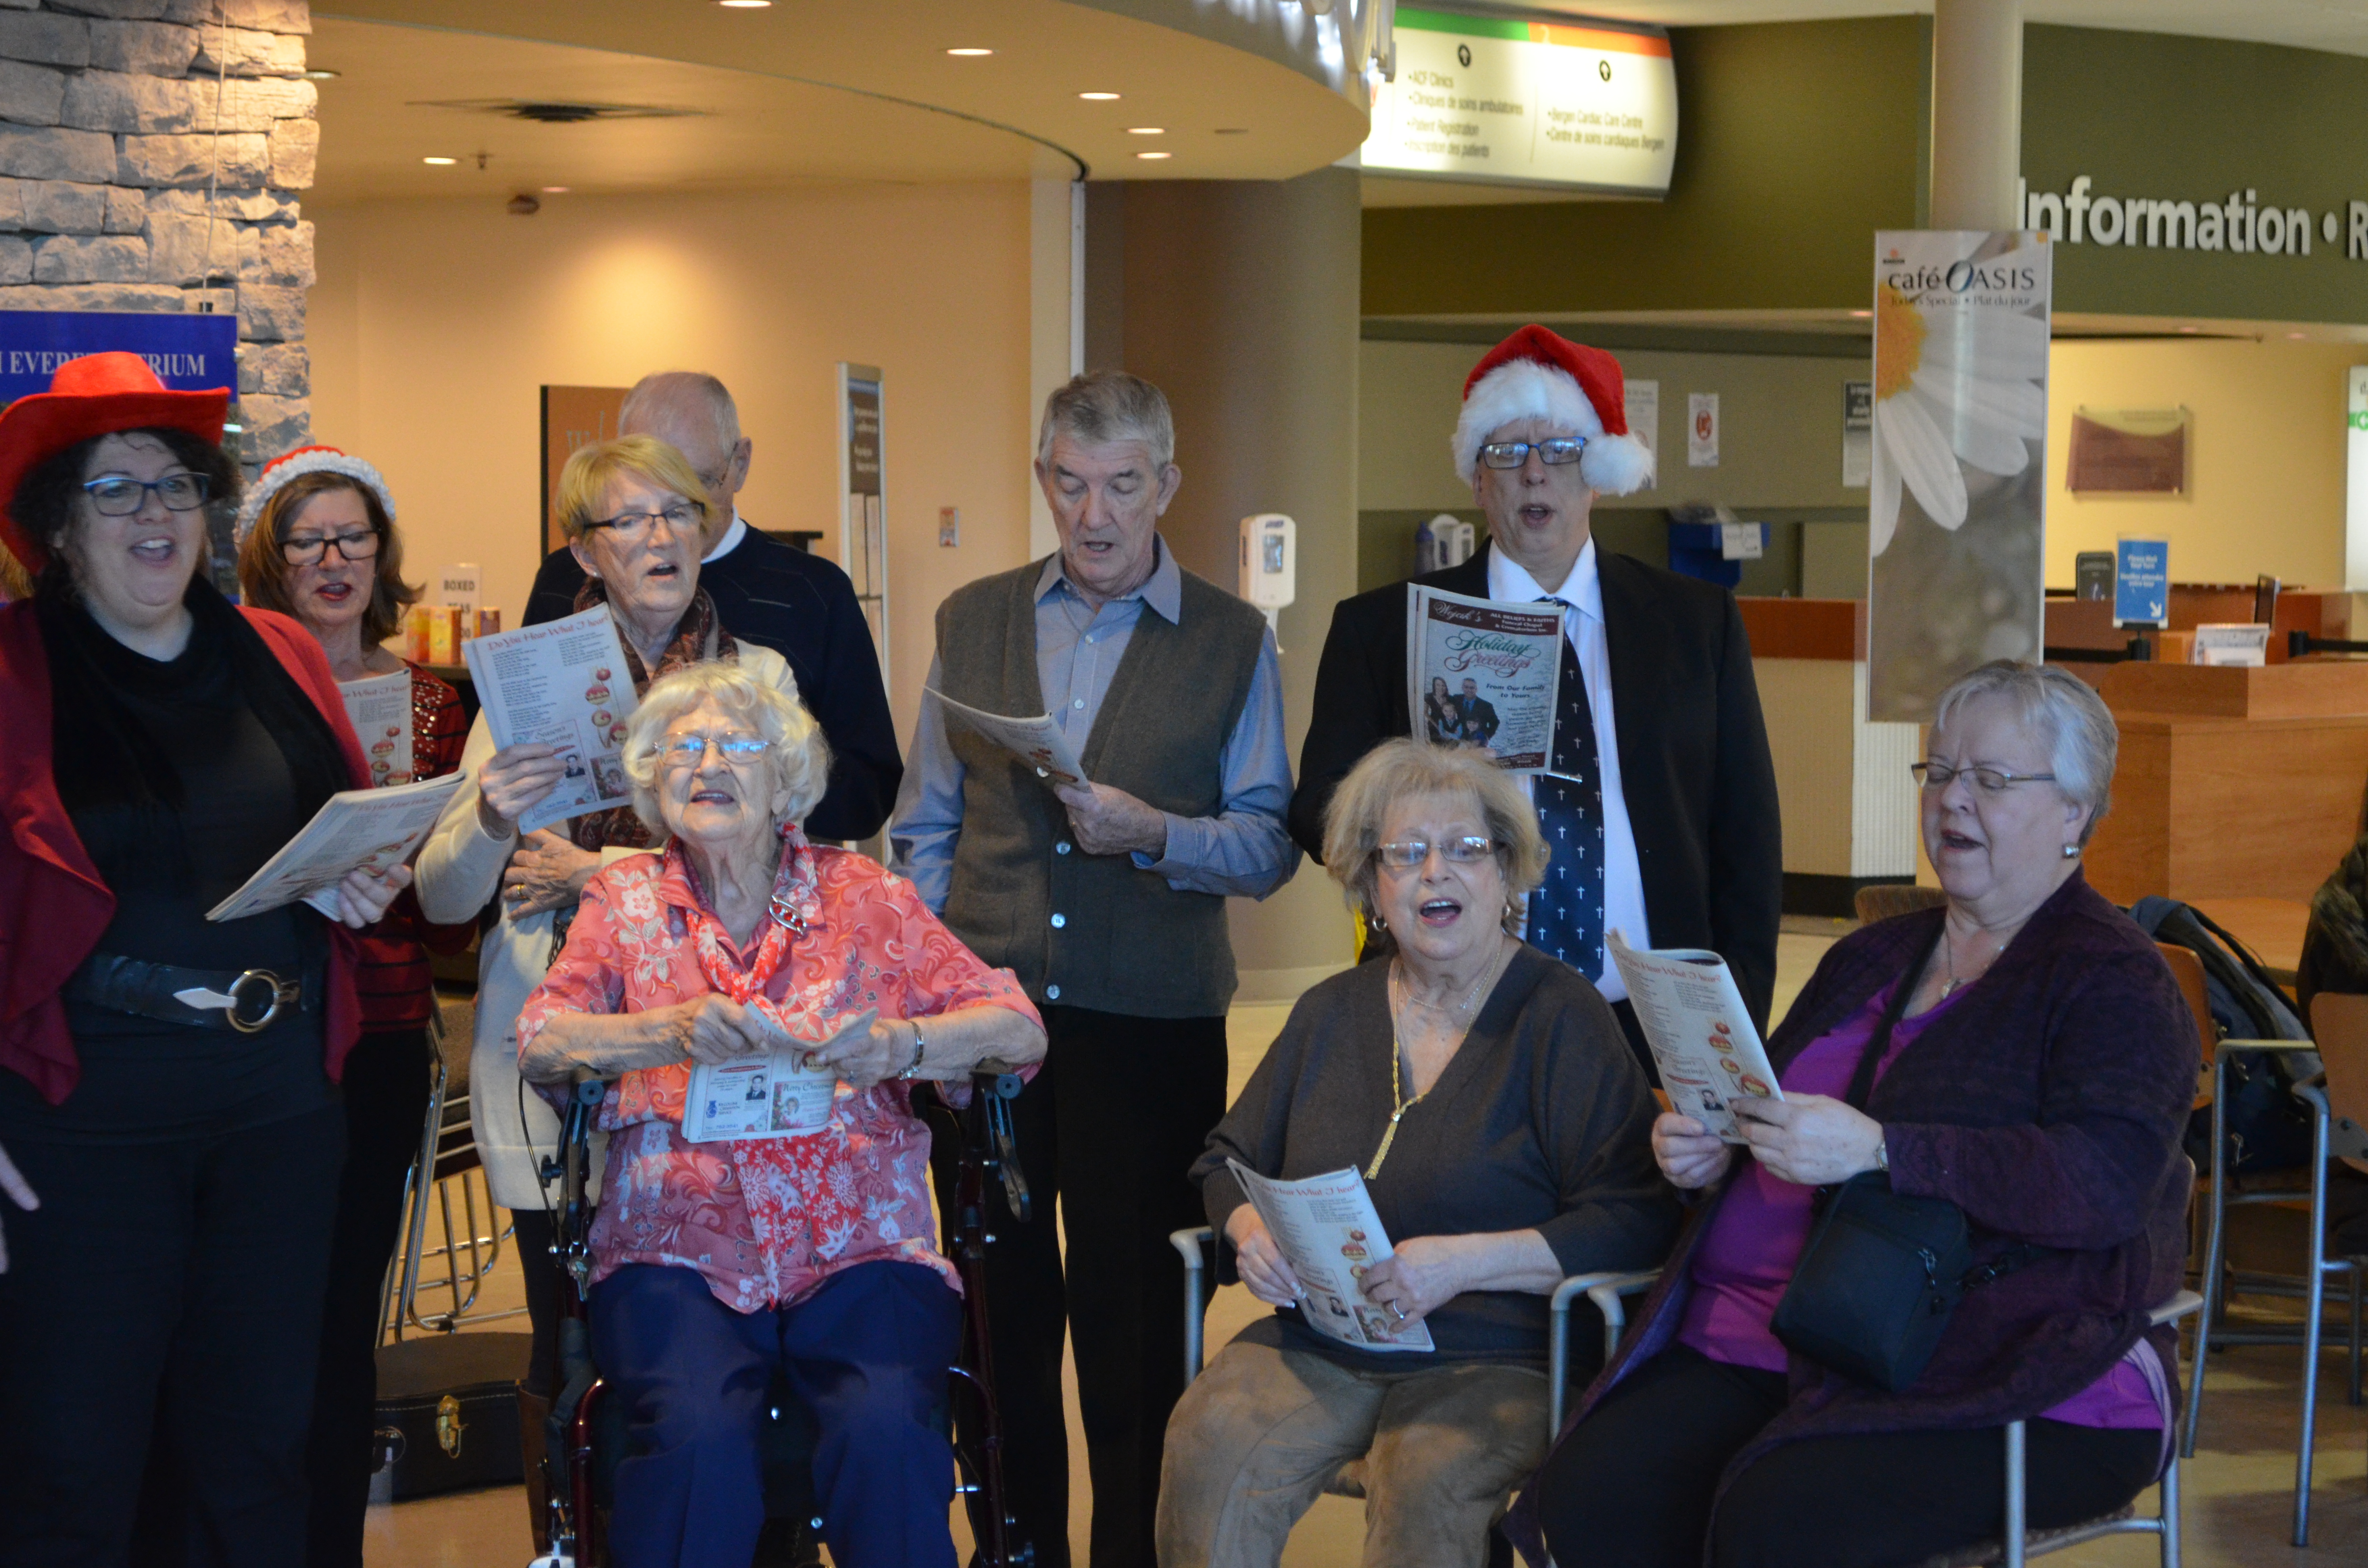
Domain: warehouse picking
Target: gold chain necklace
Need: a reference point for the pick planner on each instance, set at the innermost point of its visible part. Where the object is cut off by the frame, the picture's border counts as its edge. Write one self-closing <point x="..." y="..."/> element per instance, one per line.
<point x="1397" y="1053"/>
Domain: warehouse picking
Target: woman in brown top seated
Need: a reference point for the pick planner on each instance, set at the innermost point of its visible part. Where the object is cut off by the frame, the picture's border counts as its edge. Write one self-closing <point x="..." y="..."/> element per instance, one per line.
<point x="1502" y="1127"/>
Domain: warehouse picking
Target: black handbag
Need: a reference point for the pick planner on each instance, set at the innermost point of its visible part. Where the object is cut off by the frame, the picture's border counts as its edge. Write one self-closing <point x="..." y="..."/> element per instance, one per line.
<point x="1882" y="1272"/>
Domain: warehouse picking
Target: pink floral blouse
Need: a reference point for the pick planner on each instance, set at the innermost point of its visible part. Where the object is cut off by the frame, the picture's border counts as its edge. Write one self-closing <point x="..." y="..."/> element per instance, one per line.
<point x="766" y="1221"/>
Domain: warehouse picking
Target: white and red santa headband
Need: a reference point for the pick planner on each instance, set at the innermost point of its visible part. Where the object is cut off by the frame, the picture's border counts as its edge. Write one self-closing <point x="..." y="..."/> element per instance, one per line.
<point x="296" y="465"/>
<point x="1540" y="374"/>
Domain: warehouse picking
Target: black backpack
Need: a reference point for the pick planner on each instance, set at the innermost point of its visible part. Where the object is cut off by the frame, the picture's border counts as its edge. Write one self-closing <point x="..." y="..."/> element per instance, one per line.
<point x="2267" y="1128"/>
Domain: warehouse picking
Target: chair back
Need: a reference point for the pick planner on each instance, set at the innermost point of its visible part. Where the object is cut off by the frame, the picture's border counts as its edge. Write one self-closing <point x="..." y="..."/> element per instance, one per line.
<point x="2188" y="970"/>
<point x="2339" y="1022"/>
<point x="1885" y="899"/>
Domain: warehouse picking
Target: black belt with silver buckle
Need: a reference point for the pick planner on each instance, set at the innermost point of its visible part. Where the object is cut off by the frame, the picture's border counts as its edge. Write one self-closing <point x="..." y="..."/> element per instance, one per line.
<point x="248" y="1001"/>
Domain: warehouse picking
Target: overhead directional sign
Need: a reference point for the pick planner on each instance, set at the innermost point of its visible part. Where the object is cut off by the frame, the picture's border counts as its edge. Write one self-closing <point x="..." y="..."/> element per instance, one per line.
<point x="1583" y="106"/>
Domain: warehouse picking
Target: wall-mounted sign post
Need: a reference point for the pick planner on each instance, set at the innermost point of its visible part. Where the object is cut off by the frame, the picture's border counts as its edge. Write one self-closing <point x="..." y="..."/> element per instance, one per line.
<point x="1957" y="512"/>
<point x="1584" y="107"/>
<point x="862" y="533"/>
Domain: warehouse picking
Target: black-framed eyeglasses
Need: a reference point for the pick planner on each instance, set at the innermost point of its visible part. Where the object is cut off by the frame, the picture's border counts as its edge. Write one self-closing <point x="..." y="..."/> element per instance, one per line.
<point x="1555" y="452"/>
<point x="119" y="495"/>
<point x="1410" y="853"/>
<point x="303" y="549"/>
<point x="632" y="527"/>
<point x="1988" y="780"/>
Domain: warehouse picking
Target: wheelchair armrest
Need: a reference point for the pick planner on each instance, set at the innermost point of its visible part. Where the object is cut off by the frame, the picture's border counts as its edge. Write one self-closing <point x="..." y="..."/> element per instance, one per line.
<point x="1604" y="1290"/>
<point x="1188" y="1243"/>
<point x="996" y="1077"/>
<point x="2269" y="1047"/>
<point x="2185" y="1304"/>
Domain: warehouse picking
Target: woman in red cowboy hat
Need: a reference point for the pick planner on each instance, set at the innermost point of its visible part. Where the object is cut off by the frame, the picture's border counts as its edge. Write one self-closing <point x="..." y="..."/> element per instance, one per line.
<point x="167" y="1082"/>
<point x="317" y="541"/>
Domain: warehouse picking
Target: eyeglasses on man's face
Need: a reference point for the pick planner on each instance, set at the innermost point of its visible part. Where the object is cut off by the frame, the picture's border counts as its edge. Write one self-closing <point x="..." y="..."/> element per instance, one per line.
<point x="119" y="495"/>
<point x="690" y="751"/>
<point x="1938" y="776"/>
<point x="1406" y="854"/>
<point x="303" y="549"/>
<point x="1555" y="452"/>
<point x="631" y="528"/>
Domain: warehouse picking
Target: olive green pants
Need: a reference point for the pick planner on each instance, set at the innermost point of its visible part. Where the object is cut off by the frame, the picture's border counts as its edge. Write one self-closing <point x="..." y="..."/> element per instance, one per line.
<point x="1262" y="1433"/>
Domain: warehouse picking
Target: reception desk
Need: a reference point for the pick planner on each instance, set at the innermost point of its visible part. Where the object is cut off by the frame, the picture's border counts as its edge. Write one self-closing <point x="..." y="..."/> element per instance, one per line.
<point x="2233" y="783"/>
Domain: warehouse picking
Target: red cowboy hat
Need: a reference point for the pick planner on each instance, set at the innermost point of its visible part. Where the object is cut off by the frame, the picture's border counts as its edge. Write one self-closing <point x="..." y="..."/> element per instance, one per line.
<point x="98" y="394"/>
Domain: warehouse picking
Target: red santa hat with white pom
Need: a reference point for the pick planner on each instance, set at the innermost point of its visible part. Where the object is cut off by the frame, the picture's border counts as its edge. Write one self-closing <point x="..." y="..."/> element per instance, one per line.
<point x="296" y="465"/>
<point x="1540" y="374"/>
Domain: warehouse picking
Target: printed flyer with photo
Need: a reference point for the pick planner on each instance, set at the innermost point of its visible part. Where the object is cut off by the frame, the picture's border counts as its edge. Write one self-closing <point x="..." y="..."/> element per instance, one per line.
<point x="1331" y="1235"/>
<point x="355" y="829"/>
<point x="1482" y="673"/>
<point x="1036" y="742"/>
<point x="564" y="685"/>
<point x="780" y="1094"/>
<point x="379" y="710"/>
<point x="1701" y="1033"/>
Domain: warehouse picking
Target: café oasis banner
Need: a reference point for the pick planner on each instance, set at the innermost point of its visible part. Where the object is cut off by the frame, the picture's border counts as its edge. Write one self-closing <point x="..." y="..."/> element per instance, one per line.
<point x="1578" y="105"/>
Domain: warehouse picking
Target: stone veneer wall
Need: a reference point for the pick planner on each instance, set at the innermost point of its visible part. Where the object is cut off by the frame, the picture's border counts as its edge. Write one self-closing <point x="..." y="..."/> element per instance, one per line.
<point x="115" y="117"/>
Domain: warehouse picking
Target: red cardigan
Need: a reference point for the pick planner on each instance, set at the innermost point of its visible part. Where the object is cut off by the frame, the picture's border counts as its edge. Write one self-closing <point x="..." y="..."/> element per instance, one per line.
<point x="53" y="908"/>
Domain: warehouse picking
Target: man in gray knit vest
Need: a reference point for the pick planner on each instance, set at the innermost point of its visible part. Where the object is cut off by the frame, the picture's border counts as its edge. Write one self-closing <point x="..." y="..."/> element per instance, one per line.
<point x="1107" y="900"/>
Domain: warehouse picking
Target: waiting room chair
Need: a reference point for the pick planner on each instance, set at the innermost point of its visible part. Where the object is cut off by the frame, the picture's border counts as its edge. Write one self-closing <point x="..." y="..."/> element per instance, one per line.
<point x="447" y="1160"/>
<point x="1885" y="899"/>
<point x="2337" y="1098"/>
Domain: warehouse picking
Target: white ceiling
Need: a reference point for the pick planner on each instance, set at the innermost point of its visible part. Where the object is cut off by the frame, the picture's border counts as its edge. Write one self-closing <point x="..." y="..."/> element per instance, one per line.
<point x="2340" y="25"/>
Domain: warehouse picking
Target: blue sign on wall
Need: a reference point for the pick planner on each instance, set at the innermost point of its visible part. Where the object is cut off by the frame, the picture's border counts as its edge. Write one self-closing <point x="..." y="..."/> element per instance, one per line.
<point x="188" y="353"/>
<point x="2142" y="582"/>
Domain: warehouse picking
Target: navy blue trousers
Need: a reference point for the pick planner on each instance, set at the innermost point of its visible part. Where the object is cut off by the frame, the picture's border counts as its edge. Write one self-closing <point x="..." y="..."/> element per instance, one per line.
<point x="866" y="1354"/>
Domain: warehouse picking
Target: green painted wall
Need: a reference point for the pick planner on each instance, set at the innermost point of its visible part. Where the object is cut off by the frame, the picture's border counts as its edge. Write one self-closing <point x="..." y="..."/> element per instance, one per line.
<point x="1795" y="141"/>
<point x="2192" y="120"/>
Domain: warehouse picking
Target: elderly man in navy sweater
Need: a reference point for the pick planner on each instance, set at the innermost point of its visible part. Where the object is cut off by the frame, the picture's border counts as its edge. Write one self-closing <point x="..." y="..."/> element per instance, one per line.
<point x="798" y="605"/>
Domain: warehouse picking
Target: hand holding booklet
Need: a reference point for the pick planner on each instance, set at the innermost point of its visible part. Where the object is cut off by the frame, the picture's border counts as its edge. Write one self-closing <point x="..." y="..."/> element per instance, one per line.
<point x="1701" y="1033"/>
<point x="564" y="685"/>
<point x="1331" y="1235"/>
<point x="782" y="1093"/>
<point x="355" y="829"/>
<point x="1038" y="742"/>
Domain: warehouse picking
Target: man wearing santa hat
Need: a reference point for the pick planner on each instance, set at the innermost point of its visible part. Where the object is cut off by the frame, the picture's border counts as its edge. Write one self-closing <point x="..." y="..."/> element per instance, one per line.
<point x="1661" y="806"/>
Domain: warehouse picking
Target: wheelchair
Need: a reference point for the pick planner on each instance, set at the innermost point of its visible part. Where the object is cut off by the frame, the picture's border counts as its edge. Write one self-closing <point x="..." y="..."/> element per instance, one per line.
<point x="586" y="1431"/>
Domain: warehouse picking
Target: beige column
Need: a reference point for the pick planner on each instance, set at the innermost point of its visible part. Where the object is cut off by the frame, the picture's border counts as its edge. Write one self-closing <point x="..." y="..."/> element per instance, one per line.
<point x="1240" y="300"/>
<point x="1976" y="113"/>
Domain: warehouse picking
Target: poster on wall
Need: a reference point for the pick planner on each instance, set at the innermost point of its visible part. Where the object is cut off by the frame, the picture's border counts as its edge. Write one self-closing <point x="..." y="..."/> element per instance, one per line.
<point x="862" y="523"/>
<point x="1702" y="429"/>
<point x="572" y="417"/>
<point x="1640" y="402"/>
<point x="1857" y="433"/>
<point x="1957" y="512"/>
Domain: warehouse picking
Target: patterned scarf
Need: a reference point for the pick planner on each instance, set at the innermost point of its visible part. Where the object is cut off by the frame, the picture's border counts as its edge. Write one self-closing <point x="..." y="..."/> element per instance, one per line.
<point x="698" y="636"/>
<point x="795" y="906"/>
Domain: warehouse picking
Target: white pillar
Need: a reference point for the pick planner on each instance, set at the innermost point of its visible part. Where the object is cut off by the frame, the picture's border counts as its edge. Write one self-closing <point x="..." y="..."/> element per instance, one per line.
<point x="1056" y="309"/>
<point x="1976" y="113"/>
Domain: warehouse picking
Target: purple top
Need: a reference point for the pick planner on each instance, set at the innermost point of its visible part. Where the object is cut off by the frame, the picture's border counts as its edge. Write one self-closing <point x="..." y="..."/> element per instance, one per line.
<point x="1747" y="1260"/>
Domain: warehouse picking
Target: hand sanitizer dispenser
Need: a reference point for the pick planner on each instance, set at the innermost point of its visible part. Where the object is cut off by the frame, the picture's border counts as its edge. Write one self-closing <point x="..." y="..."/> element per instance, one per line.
<point x="1269" y="564"/>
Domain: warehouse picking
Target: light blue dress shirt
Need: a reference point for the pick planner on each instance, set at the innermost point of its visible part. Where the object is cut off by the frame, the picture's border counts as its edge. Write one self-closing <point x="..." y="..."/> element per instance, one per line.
<point x="1244" y="851"/>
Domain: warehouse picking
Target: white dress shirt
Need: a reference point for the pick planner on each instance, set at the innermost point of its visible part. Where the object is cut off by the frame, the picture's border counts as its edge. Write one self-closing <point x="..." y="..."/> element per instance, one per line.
<point x="1623" y="882"/>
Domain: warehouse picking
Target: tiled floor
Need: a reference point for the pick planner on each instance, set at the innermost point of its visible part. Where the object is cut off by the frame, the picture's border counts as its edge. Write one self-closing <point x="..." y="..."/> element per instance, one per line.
<point x="2240" y="1487"/>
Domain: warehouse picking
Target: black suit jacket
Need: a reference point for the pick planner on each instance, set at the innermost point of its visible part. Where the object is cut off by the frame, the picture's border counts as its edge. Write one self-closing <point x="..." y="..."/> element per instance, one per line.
<point x="1694" y="767"/>
<point x="803" y="609"/>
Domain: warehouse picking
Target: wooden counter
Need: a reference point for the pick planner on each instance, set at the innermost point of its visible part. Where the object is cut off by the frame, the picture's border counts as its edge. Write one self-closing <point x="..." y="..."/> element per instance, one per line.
<point x="2233" y="783"/>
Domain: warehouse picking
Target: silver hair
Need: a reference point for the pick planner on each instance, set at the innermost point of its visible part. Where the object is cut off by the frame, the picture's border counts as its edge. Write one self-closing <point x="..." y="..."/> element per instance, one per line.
<point x="797" y="762"/>
<point x="2083" y="741"/>
<point x="1108" y="405"/>
<point x="1403" y="768"/>
<point x="669" y="389"/>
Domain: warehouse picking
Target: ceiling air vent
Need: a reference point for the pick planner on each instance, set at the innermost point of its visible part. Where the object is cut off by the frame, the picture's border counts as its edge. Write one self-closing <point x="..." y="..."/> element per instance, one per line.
<point x="549" y="111"/>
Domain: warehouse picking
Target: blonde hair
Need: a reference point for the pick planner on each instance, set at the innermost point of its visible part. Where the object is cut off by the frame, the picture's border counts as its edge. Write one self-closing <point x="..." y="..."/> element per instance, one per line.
<point x="1404" y="768"/>
<point x="584" y="482"/>
<point x="797" y="762"/>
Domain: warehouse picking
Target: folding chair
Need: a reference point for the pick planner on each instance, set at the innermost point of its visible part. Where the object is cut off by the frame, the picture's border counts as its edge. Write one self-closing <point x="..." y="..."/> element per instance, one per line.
<point x="2337" y="1098"/>
<point x="448" y="1161"/>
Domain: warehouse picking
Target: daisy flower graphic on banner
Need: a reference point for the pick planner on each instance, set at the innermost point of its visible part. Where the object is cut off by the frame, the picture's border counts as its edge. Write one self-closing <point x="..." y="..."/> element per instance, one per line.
<point x="1957" y="386"/>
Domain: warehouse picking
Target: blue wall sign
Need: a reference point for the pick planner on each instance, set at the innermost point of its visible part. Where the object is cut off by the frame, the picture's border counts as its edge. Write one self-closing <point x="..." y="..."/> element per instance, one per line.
<point x="188" y="353"/>
<point x="2142" y="582"/>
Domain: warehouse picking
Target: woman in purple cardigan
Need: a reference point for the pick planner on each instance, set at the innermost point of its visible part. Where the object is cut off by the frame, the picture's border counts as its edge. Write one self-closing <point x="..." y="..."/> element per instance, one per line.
<point x="2039" y="1078"/>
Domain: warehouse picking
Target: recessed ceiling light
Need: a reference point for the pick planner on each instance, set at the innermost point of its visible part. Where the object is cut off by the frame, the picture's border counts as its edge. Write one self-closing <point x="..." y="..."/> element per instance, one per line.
<point x="555" y="191"/>
<point x="2190" y="329"/>
<point x="1862" y="315"/>
<point x="1154" y="154"/>
<point x="1233" y="131"/>
<point x="1099" y="98"/>
<point x="969" y="53"/>
<point x="321" y="73"/>
<point x="1146" y="130"/>
<point x="2295" y="335"/>
<point x="744" y="4"/>
<point x="439" y="163"/>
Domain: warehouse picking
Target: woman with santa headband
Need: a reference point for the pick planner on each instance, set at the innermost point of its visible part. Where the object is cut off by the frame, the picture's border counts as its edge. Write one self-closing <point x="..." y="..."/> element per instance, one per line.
<point x="317" y="541"/>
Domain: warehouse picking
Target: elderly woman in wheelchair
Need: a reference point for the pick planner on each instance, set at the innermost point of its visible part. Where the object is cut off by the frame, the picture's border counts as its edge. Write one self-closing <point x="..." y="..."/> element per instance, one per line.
<point x="799" y="1240"/>
<point x="1501" y="1125"/>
